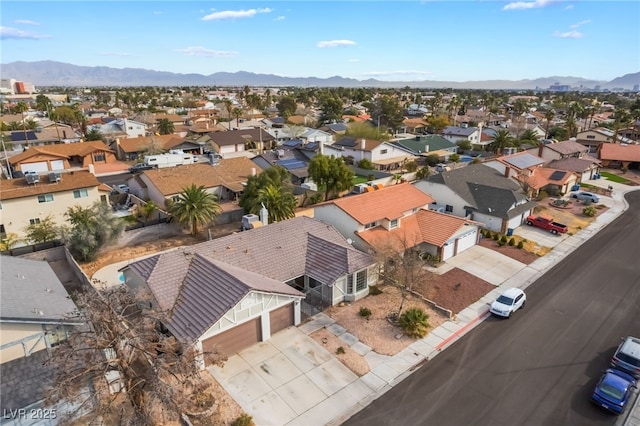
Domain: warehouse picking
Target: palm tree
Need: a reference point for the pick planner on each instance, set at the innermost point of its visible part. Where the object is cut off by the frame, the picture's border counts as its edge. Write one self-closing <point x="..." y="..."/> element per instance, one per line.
<point x="549" y="116"/>
<point x="530" y="137"/>
<point x="237" y="112"/>
<point x="501" y="140"/>
<point x="280" y="202"/>
<point x="165" y="126"/>
<point x="228" y="105"/>
<point x="93" y="135"/>
<point x="195" y="206"/>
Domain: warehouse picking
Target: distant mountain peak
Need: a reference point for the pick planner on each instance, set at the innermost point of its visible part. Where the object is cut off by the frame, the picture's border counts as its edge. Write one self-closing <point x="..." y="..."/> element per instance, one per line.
<point x="52" y="73"/>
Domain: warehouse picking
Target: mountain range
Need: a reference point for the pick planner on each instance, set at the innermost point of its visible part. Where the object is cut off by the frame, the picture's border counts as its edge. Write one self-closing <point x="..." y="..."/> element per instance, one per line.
<point x="51" y="73"/>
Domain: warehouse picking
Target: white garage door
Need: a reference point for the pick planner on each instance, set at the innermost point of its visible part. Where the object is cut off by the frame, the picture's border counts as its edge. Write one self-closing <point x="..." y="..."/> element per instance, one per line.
<point x="467" y="241"/>
<point x="448" y="250"/>
<point x="40" y="167"/>
<point x="57" y="165"/>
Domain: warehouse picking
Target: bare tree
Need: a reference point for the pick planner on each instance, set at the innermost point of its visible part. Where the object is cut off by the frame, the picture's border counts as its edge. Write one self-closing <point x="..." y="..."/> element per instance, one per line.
<point x="124" y="366"/>
<point x="401" y="265"/>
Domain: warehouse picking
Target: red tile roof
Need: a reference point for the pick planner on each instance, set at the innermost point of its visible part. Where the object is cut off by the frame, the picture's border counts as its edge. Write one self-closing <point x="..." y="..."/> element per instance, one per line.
<point x="426" y="226"/>
<point x="386" y="203"/>
<point x="619" y="152"/>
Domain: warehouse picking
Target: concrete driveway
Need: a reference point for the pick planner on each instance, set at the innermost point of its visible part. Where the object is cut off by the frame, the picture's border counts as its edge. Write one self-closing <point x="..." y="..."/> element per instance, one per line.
<point x="290" y="379"/>
<point x="493" y="267"/>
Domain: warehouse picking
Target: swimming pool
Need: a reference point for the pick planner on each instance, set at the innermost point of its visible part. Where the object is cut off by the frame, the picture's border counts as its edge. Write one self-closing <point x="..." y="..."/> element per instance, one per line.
<point x="466" y="158"/>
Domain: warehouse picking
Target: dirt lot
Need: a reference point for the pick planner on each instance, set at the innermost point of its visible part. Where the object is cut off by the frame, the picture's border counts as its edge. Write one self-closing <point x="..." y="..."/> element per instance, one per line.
<point x="521" y="255"/>
<point x="572" y="216"/>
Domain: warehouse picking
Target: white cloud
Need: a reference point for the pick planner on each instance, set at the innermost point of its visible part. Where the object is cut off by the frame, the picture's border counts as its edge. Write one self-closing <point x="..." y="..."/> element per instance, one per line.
<point x="7" y="33"/>
<point x="354" y="60"/>
<point x="397" y="72"/>
<point x="335" y="43"/>
<point x="526" y="4"/>
<point x="279" y="18"/>
<point x="568" y="34"/>
<point x="157" y="12"/>
<point x="574" y="26"/>
<point x="234" y="14"/>
<point x="568" y="7"/>
<point x="203" y="51"/>
<point x="26" y="22"/>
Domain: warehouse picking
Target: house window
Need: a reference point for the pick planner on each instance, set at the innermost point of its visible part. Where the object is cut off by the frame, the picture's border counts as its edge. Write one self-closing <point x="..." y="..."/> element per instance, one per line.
<point x="393" y="224"/>
<point x="383" y="151"/>
<point x="468" y="213"/>
<point x="175" y="198"/>
<point x="591" y="137"/>
<point x="99" y="156"/>
<point x="3" y="232"/>
<point x="448" y="208"/>
<point x="34" y="221"/>
<point x="80" y="193"/>
<point x="55" y="336"/>
<point x="360" y="281"/>
<point x="103" y="199"/>
<point x="0" y="205"/>
<point x="370" y="225"/>
<point x="46" y="198"/>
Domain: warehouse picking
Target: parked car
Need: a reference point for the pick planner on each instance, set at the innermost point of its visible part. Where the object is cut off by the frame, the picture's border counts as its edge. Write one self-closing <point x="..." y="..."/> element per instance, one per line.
<point x="547" y="223"/>
<point x="120" y="188"/>
<point x="627" y="356"/>
<point x="508" y="302"/>
<point x="586" y="196"/>
<point x="138" y="167"/>
<point x="614" y="390"/>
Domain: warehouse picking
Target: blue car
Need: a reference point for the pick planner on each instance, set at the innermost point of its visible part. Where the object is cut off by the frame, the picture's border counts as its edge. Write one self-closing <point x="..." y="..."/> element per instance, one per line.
<point x="614" y="390"/>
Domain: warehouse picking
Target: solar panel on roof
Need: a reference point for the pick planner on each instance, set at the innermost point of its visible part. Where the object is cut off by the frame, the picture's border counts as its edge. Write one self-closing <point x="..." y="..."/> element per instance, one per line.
<point x="557" y="175"/>
<point x="20" y="136"/>
<point x="292" y="143"/>
<point x="291" y="164"/>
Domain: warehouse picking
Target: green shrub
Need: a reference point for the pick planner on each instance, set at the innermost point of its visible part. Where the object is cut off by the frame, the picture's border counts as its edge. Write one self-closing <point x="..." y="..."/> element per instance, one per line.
<point x="503" y="240"/>
<point x="542" y="195"/>
<point x="495" y="236"/>
<point x="520" y="245"/>
<point x="364" y="312"/>
<point x="374" y="290"/>
<point x="414" y="322"/>
<point x="512" y="242"/>
<point x="243" y="420"/>
<point x="501" y="243"/>
<point x="340" y="350"/>
<point x="589" y="211"/>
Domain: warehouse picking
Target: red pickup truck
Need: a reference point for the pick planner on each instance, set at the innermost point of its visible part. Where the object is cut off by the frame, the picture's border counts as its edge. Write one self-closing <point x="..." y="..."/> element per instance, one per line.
<point x="547" y="223"/>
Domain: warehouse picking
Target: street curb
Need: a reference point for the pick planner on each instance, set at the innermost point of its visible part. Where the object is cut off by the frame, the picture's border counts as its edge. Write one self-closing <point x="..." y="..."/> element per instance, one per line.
<point x="463" y="330"/>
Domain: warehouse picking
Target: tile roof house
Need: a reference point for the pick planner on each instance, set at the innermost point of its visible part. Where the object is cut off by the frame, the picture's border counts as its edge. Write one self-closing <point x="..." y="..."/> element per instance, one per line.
<point x="429" y="145"/>
<point x="63" y="157"/>
<point x="22" y="203"/>
<point x="225" y="179"/>
<point x="36" y="313"/>
<point x="238" y="141"/>
<point x="620" y="155"/>
<point x="593" y="138"/>
<point x="134" y="148"/>
<point x="234" y="291"/>
<point x="479" y="193"/>
<point x="288" y="156"/>
<point x="397" y="214"/>
<point x="455" y="134"/>
<point x="571" y="156"/>
<point x="121" y="127"/>
<point x="384" y="156"/>
<point x="519" y="164"/>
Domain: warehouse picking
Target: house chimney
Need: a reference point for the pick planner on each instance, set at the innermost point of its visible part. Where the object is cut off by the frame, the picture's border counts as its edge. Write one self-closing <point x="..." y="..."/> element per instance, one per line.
<point x="540" y="148"/>
<point x="264" y="215"/>
<point x="321" y="148"/>
<point x="253" y="171"/>
<point x="92" y="169"/>
<point x="362" y="143"/>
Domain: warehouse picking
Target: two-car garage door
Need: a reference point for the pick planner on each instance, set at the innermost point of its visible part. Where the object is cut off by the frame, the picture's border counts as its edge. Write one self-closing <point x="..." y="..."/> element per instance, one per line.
<point x="460" y="244"/>
<point x="248" y="333"/>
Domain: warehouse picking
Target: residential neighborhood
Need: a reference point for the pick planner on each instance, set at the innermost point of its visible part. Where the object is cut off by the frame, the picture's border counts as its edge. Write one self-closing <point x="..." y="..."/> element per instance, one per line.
<point x="407" y="208"/>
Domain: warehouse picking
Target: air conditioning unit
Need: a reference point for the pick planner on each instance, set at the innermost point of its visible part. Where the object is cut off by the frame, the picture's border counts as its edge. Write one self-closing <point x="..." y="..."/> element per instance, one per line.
<point x="32" y="177"/>
<point x="55" y="177"/>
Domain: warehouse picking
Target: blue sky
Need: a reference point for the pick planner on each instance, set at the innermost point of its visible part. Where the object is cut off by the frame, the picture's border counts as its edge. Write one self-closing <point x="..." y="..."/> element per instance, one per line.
<point x="386" y="40"/>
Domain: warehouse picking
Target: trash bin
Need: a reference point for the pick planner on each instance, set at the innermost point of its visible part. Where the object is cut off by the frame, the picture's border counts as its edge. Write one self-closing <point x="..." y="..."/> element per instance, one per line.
<point x="575" y="188"/>
<point x="509" y="232"/>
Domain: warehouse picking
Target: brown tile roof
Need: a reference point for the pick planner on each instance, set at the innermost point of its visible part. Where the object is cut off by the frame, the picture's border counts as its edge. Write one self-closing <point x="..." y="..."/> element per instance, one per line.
<point x="425" y="226"/>
<point x="230" y="173"/>
<point x="18" y="188"/>
<point x="619" y="152"/>
<point x="61" y="150"/>
<point x="567" y="147"/>
<point x="142" y="143"/>
<point x="575" y="164"/>
<point x="386" y="203"/>
<point x="235" y="137"/>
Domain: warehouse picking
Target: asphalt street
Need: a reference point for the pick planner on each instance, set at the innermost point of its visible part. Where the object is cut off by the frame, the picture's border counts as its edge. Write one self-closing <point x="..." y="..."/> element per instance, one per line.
<point x="539" y="367"/>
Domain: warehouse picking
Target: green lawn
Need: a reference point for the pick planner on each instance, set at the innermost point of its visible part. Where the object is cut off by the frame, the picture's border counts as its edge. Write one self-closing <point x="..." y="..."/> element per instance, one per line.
<point x="359" y="179"/>
<point x="614" y="178"/>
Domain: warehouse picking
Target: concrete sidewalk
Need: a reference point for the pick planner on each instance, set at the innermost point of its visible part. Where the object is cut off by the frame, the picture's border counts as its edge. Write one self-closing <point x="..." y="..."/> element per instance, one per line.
<point x="331" y="395"/>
